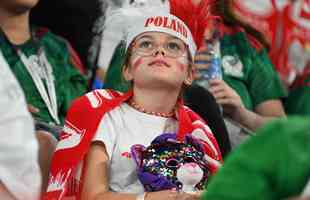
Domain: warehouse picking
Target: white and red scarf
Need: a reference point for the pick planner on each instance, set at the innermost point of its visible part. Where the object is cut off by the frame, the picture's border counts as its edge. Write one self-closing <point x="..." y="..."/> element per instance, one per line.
<point x="83" y="118"/>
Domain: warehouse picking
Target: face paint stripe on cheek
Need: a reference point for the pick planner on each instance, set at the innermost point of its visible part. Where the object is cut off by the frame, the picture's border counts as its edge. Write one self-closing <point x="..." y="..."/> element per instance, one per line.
<point x="182" y="67"/>
<point x="182" y="62"/>
<point x="136" y="63"/>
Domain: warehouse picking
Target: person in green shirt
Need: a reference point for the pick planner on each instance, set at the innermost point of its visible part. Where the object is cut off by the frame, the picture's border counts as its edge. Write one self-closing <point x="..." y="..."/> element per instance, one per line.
<point x="45" y="66"/>
<point x="272" y="165"/>
<point x="68" y="81"/>
<point x="251" y="90"/>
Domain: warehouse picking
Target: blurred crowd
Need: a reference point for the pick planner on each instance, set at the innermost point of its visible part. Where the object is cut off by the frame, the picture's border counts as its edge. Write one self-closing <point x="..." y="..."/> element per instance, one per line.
<point x="84" y="82"/>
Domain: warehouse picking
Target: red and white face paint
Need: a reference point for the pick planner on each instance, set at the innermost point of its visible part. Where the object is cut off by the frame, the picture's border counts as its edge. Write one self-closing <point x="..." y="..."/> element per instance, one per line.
<point x="182" y="63"/>
<point x="137" y="61"/>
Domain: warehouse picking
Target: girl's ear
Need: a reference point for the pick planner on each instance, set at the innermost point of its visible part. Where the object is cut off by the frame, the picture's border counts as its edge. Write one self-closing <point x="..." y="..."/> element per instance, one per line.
<point x="127" y="73"/>
<point x="190" y="77"/>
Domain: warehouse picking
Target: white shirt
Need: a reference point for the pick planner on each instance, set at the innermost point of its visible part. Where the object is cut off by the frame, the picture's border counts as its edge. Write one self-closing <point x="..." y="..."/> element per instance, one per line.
<point x="19" y="169"/>
<point x="119" y="130"/>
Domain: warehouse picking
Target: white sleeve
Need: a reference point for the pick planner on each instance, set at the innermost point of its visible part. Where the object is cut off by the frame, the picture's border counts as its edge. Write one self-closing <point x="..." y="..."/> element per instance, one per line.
<point x="19" y="168"/>
<point x="106" y="134"/>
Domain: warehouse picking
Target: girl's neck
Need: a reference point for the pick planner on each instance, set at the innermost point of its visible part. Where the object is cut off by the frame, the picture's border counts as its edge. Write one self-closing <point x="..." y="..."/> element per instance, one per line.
<point x="15" y="26"/>
<point x="156" y="101"/>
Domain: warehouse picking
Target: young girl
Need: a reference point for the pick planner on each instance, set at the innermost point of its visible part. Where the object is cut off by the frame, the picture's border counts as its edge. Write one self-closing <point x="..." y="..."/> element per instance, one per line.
<point x="102" y="126"/>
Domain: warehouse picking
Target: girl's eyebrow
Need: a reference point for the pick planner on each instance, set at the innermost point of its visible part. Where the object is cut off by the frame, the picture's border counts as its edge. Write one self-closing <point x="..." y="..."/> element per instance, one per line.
<point x="145" y="37"/>
<point x="173" y="37"/>
<point x="170" y="37"/>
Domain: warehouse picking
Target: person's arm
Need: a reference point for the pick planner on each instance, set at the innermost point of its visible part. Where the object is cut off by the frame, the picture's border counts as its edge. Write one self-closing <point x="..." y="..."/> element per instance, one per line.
<point x="264" y="112"/>
<point x="234" y="108"/>
<point x="96" y="180"/>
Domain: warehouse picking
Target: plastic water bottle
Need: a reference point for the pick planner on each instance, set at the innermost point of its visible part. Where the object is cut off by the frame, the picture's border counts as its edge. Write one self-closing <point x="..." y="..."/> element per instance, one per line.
<point x="213" y="69"/>
<point x="213" y="65"/>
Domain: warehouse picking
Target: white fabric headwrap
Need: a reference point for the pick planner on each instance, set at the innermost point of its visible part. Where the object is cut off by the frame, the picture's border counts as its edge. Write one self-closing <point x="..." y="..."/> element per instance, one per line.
<point x="128" y="22"/>
<point x="167" y="23"/>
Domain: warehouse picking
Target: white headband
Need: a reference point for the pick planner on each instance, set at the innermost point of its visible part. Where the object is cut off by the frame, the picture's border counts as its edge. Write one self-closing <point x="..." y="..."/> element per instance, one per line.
<point x="166" y="23"/>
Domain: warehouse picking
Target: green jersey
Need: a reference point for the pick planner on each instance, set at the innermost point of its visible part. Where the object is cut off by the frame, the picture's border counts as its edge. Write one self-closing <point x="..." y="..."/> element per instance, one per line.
<point x="272" y="165"/>
<point x="249" y="71"/>
<point x="68" y="81"/>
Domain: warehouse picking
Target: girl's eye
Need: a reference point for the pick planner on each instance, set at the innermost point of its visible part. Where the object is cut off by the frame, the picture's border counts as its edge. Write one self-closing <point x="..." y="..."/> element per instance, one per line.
<point x="145" y="44"/>
<point x="174" y="46"/>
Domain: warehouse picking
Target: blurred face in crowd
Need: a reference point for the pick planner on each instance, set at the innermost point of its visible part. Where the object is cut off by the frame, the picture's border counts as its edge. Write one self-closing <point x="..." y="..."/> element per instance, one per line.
<point x="158" y="60"/>
<point x="18" y="6"/>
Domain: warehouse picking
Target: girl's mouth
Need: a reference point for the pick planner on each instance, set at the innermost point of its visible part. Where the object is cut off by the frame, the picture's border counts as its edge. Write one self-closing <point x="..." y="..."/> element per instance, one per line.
<point x="159" y="62"/>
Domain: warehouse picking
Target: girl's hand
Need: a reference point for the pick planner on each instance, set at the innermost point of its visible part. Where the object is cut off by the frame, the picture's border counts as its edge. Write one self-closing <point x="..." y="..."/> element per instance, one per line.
<point x="226" y="97"/>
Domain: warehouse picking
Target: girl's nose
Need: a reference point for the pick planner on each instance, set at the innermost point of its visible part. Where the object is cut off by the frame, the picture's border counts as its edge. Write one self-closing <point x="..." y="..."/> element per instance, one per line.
<point x="160" y="51"/>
